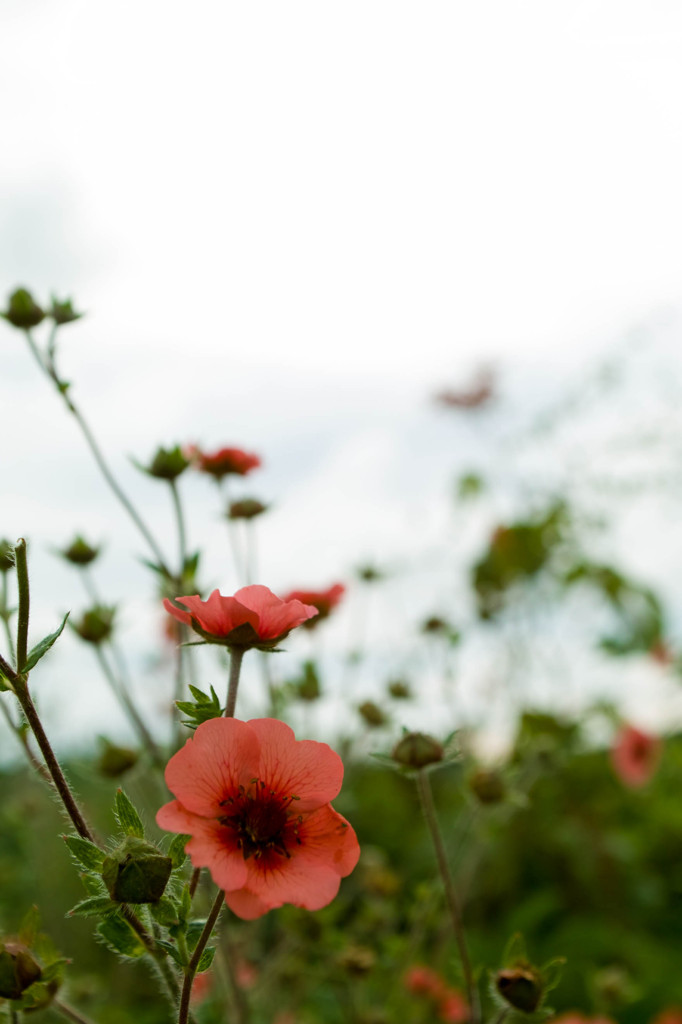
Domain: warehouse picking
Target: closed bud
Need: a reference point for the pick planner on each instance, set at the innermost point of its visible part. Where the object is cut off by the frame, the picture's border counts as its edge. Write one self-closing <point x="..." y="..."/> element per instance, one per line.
<point x="23" y="312"/>
<point x="18" y="970"/>
<point x="399" y="689"/>
<point x="417" y="750"/>
<point x="96" y="625"/>
<point x="79" y="552"/>
<point x="521" y="987"/>
<point x="114" y="761"/>
<point x="308" y="687"/>
<point x="136" y="872"/>
<point x="357" y="960"/>
<point x="6" y="556"/>
<point x="372" y="714"/>
<point x="369" y="574"/>
<point x="246" y="508"/>
<point x="487" y="785"/>
<point x="63" y="312"/>
<point x="167" y="464"/>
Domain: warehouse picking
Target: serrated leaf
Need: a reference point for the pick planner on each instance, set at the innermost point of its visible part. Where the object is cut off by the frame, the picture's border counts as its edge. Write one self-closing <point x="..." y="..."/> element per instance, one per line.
<point x="176" y="850"/>
<point x="41" y="649"/>
<point x="86" y="853"/>
<point x="93" y="884"/>
<point x="164" y="912"/>
<point x="54" y="970"/>
<point x="93" y="906"/>
<point x="172" y="951"/>
<point x="120" y="937"/>
<point x="206" y="959"/>
<point x="127" y="817"/>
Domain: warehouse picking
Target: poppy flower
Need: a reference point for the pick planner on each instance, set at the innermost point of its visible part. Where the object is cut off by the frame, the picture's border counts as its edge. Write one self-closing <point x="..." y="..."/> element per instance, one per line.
<point x="254" y="617"/>
<point x="256" y="803"/>
<point x="635" y="756"/>
<point x="323" y="600"/>
<point x="225" y="462"/>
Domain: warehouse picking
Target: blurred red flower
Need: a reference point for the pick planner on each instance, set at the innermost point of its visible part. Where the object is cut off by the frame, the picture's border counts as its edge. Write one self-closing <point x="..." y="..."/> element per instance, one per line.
<point x="422" y="981"/>
<point x="635" y="756"/>
<point x="580" y="1018"/>
<point x="201" y="987"/>
<point x="256" y="803"/>
<point x="323" y="600"/>
<point x="671" y="1015"/>
<point x="224" y="462"/>
<point x="449" y="1004"/>
<point x="453" y="1008"/>
<point x="480" y="393"/>
<point x="254" y="617"/>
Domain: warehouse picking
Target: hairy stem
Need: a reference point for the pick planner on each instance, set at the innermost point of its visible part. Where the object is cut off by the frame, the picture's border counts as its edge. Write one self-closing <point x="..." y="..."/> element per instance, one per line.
<point x="69" y="1012"/>
<point x="24" y="603"/>
<point x="191" y="968"/>
<point x="236" y="656"/>
<point x="429" y="811"/>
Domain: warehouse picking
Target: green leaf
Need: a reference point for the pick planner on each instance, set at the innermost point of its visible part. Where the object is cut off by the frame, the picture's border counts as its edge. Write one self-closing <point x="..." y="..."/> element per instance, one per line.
<point x="127" y="817"/>
<point x="552" y="971"/>
<point x="93" y="907"/>
<point x="164" y="912"/>
<point x="185" y="904"/>
<point x="176" y="850"/>
<point x="206" y="959"/>
<point x="120" y="937"/>
<point x="202" y="709"/>
<point x="86" y="853"/>
<point x="43" y="647"/>
<point x="173" y="952"/>
<point x="30" y="926"/>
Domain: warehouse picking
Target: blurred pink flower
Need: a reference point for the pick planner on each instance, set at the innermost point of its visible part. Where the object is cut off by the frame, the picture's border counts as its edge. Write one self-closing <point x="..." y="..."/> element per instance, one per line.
<point x="580" y="1018"/>
<point x="254" y="617"/>
<point x="256" y="803"/>
<point x="423" y="981"/>
<point x="224" y="462"/>
<point x="323" y="600"/>
<point x="635" y="756"/>
<point x="201" y="987"/>
<point x="453" y="1008"/>
<point x="671" y="1015"/>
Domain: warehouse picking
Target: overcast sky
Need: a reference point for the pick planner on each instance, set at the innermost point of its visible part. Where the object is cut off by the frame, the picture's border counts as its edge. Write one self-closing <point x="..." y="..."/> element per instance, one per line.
<point x="290" y="223"/>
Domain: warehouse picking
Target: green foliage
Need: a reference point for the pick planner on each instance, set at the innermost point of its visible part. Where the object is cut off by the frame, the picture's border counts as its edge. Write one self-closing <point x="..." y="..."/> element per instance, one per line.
<point x="201" y="709"/>
<point x="41" y="649"/>
<point x="126" y="815"/>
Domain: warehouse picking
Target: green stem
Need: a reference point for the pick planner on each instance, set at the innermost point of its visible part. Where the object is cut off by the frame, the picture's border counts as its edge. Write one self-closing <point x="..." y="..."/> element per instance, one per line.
<point x="24" y="603"/>
<point x="194" y="881"/>
<point x="429" y="811"/>
<point x="180" y="520"/>
<point x="70" y="1013"/>
<point x="5" y="619"/>
<point x="51" y="372"/>
<point x="191" y="968"/>
<point x="236" y="656"/>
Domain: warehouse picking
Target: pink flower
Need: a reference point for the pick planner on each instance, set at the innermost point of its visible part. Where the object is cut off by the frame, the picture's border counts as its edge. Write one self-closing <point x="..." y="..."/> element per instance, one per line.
<point x="635" y="756"/>
<point x="256" y="803"/>
<point x="671" y="1015"/>
<point x="453" y="1008"/>
<point x="224" y="462"/>
<point x="423" y="981"/>
<point x="323" y="600"/>
<point x="254" y="617"/>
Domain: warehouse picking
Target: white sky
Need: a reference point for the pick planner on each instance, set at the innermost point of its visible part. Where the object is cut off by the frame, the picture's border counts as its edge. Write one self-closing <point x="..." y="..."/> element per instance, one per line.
<point x="289" y="223"/>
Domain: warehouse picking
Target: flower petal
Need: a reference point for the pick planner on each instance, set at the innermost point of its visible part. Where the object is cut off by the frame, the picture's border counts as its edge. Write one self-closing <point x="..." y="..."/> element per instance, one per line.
<point x="307" y="769"/>
<point x="276" y="616"/>
<point x="247" y="905"/>
<point x="176" y="613"/>
<point x="219" y="615"/>
<point x="222" y="755"/>
<point x="212" y="846"/>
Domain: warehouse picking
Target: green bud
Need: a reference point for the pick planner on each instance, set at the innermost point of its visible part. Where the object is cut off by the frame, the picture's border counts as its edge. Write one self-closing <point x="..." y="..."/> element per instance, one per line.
<point x="357" y="960"/>
<point x="167" y="464"/>
<point x="63" y="312"/>
<point x="114" y="761"/>
<point x="18" y="970"/>
<point x="6" y="556"/>
<point x="246" y="508"/>
<point x="487" y="785"/>
<point x="308" y="687"/>
<point x="372" y="714"/>
<point x="136" y="872"/>
<point x="95" y="625"/>
<point x="22" y="311"/>
<point x="399" y="689"/>
<point x="521" y="987"/>
<point x="417" y="750"/>
<point x="79" y="552"/>
<point x="369" y="574"/>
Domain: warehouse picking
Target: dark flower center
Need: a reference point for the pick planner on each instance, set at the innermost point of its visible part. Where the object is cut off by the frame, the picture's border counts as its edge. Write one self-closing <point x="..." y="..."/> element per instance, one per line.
<point x="261" y="820"/>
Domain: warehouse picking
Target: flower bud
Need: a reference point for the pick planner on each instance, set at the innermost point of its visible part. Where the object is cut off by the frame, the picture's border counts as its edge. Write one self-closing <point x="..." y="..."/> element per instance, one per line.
<point x="22" y="311"/>
<point x="79" y="552"/>
<point x="6" y="556"/>
<point x="369" y="574"/>
<point x="308" y="687"/>
<point x="357" y="960"/>
<point x="399" y="689"/>
<point x="417" y="750"/>
<point x="487" y="785"/>
<point x="114" y="761"/>
<point x="521" y="987"/>
<point x="63" y="312"/>
<point x="372" y="714"/>
<point x="246" y="508"/>
<point x="167" y="464"/>
<point x="18" y="970"/>
<point x="136" y="872"/>
<point x="96" y="625"/>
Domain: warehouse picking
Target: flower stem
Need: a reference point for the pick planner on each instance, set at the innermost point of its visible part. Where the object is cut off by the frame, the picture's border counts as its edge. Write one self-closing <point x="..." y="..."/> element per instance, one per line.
<point x="5" y="619"/>
<point x="191" y="968"/>
<point x="180" y="520"/>
<point x="236" y="655"/>
<point x="49" y="368"/>
<point x="429" y="811"/>
<point x="24" y="603"/>
<point x="70" y="1013"/>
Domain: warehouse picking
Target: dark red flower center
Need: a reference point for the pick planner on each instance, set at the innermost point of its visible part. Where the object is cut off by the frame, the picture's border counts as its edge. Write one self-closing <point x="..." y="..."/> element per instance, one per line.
<point x="261" y="820"/>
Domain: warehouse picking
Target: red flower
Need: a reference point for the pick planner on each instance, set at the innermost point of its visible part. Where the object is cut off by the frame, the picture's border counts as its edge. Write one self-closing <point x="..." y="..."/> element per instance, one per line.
<point x="422" y="981"/>
<point x="672" y="1015"/>
<point x="323" y="600"/>
<point x="453" y="1008"/>
<point x="257" y="804"/>
<point x="635" y="756"/>
<point x="254" y="617"/>
<point x="580" y="1018"/>
<point x="225" y="461"/>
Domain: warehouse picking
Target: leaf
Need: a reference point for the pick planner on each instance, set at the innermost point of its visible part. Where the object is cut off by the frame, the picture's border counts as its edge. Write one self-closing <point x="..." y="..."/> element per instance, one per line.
<point x="86" y="853"/>
<point x="206" y="959"/>
<point x="185" y="904"/>
<point x="30" y="926"/>
<point x="93" y="906"/>
<point x="127" y="817"/>
<point x="164" y="912"/>
<point x="43" y="647"/>
<point x="120" y="937"/>
<point x="202" y="709"/>
<point x="172" y="951"/>
<point x="176" y="850"/>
